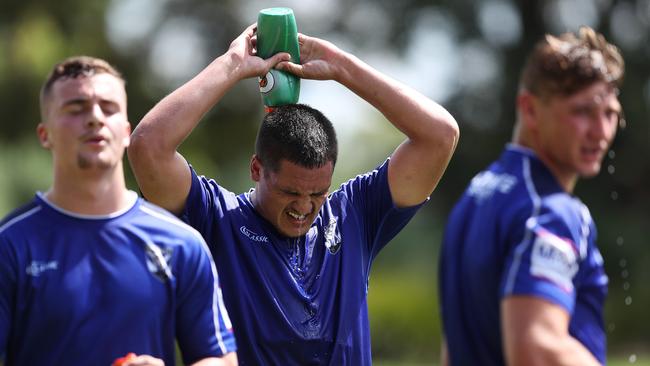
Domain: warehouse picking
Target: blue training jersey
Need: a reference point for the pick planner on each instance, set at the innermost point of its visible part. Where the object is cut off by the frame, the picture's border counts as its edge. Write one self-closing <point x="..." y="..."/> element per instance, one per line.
<point x="515" y="231"/>
<point x="299" y="301"/>
<point x="85" y="290"/>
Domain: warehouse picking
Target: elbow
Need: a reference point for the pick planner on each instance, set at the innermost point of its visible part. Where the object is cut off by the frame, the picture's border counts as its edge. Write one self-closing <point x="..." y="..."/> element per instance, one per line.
<point x="447" y="135"/>
<point x="141" y="149"/>
<point x="453" y="133"/>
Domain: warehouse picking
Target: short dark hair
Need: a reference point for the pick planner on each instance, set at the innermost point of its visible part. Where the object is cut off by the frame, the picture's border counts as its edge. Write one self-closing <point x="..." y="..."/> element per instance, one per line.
<point x="74" y="67"/>
<point x="571" y="62"/>
<point x="297" y="133"/>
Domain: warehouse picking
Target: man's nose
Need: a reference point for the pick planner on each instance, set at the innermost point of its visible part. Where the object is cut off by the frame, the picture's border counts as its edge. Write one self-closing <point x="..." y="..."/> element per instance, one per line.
<point x="95" y="117"/>
<point x="303" y="205"/>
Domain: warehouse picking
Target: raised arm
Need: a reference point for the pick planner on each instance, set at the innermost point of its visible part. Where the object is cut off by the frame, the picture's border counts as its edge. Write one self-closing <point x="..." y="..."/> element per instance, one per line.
<point x="161" y="172"/>
<point x="418" y="163"/>
<point x="536" y="332"/>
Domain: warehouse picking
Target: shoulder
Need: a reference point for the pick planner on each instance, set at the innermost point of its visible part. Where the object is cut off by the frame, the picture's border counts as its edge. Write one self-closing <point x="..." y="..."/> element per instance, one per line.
<point x="19" y="217"/>
<point x="566" y="208"/>
<point x="372" y="177"/>
<point x="164" y="221"/>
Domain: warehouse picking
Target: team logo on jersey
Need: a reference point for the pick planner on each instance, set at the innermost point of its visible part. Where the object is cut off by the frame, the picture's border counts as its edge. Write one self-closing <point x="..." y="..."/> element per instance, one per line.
<point x="253" y="235"/>
<point x="485" y="184"/>
<point x="158" y="261"/>
<point x="332" y="237"/>
<point x="37" y="267"/>
<point x="555" y="259"/>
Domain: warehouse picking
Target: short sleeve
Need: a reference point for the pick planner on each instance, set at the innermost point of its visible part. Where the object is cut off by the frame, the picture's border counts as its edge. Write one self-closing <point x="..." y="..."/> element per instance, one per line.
<point x="368" y="196"/>
<point x="546" y="261"/>
<point x="204" y="328"/>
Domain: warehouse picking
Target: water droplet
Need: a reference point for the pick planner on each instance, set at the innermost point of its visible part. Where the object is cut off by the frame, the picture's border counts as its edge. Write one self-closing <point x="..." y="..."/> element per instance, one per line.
<point x="611" y="169"/>
<point x="622" y="263"/>
<point x="614" y="195"/>
<point x="611" y="154"/>
<point x="632" y="358"/>
<point x="625" y="273"/>
<point x="611" y="327"/>
<point x="628" y="300"/>
<point x="626" y="285"/>
<point x="619" y="241"/>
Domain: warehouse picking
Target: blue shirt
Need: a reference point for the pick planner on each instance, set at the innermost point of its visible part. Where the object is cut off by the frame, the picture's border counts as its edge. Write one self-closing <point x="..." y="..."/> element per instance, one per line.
<point x="299" y="301"/>
<point x="85" y="290"/>
<point x="515" y="231"/>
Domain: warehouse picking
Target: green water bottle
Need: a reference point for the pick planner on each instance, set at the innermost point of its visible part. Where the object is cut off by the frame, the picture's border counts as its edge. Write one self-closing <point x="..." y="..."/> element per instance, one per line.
<point x="277" y="32"/>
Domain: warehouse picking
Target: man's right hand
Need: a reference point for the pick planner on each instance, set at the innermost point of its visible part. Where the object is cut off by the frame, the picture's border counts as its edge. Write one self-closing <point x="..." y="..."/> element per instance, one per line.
<point x="162" y="173"/>
<point x="243" y="55"/>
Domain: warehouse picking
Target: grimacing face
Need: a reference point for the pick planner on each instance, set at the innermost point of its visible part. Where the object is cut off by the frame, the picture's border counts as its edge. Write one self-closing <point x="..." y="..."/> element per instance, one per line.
<point x="85" y="122"/>
<point x="291" y="197"/>
<point x="574" y="132"/>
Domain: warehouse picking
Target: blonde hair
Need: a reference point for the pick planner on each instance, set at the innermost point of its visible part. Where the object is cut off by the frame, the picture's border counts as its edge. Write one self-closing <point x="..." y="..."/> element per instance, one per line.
<point x="566" y="64"/>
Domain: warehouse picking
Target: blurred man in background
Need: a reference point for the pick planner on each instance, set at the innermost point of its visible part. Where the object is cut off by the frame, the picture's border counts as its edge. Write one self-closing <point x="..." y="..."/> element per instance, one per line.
<point x="89" y="272"/>
<point x="521" y="279"/>
<point x="295" y="260"/>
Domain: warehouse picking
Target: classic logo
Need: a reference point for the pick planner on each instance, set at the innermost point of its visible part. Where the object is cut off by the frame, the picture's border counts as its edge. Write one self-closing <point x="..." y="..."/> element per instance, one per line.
<point x="253" y="236"/>
<point x="37" y="267"/>
<point x="158" y="261"/>
<point x="485" y="184"/>
<point x="332" y="237"/>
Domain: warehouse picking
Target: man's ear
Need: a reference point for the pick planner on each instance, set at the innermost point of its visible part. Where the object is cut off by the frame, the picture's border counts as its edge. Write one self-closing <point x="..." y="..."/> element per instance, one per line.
<point x="527" y="108"/>
<point x="256" y="168"/>
<point x="127" y="137"/>
<point x="43" y="135"/>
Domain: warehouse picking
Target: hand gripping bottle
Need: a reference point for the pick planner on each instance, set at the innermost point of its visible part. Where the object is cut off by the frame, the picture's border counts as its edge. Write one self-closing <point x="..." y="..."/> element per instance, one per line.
<point x="277" y="32"/>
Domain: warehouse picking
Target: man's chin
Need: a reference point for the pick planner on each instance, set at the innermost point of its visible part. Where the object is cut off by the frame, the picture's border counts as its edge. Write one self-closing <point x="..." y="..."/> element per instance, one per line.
<point x="590" y="172"/>
<point x="94" y="163"/>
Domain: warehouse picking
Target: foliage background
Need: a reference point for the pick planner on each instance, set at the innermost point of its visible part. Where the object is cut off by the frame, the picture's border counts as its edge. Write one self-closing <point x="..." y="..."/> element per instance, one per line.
<point x="465" y="54"/>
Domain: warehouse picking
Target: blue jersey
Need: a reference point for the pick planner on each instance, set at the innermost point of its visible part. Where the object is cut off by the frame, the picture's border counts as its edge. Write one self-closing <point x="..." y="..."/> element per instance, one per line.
<point x="85" y="290"/>
<point x="299" y="301"/>
<point x="515" y="231"/>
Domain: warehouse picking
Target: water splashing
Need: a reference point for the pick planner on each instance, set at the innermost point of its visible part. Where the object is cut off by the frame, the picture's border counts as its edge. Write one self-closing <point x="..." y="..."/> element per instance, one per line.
<point x="632" y="358"/>
<point x="611" y="169"/>
<point x="611" y="154"/>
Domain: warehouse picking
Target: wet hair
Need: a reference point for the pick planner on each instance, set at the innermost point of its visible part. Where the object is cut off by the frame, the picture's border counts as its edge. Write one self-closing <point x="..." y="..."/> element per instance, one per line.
<point x="296" y="133"/>
<point x="560" y="66"/>
<point x="75" y="67"/>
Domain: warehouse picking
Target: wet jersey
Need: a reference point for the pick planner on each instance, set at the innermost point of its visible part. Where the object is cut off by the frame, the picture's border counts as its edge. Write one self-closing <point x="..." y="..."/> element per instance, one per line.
<point x="299" y="301"/>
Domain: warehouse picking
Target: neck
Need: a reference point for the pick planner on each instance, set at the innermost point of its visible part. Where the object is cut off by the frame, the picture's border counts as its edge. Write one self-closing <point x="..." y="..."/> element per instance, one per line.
<point x="566" y="179"/>
<point x="90" y="192"/>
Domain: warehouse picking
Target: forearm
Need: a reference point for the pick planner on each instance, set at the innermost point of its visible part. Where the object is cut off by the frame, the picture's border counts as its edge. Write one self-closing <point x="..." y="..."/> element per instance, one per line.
<point x="418" y="164"/>
<point x="166" y="126"/>
<point x="421" y="119"/>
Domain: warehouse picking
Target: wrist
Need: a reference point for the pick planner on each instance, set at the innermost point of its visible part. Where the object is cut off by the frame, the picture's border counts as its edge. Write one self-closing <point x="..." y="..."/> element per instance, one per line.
<point x="232" y="66"/>
<point x="344" y="66"/>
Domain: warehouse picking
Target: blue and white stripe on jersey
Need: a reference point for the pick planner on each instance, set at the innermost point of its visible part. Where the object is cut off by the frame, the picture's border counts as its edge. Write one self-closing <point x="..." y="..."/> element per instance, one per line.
<point x="515" y="231"/>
